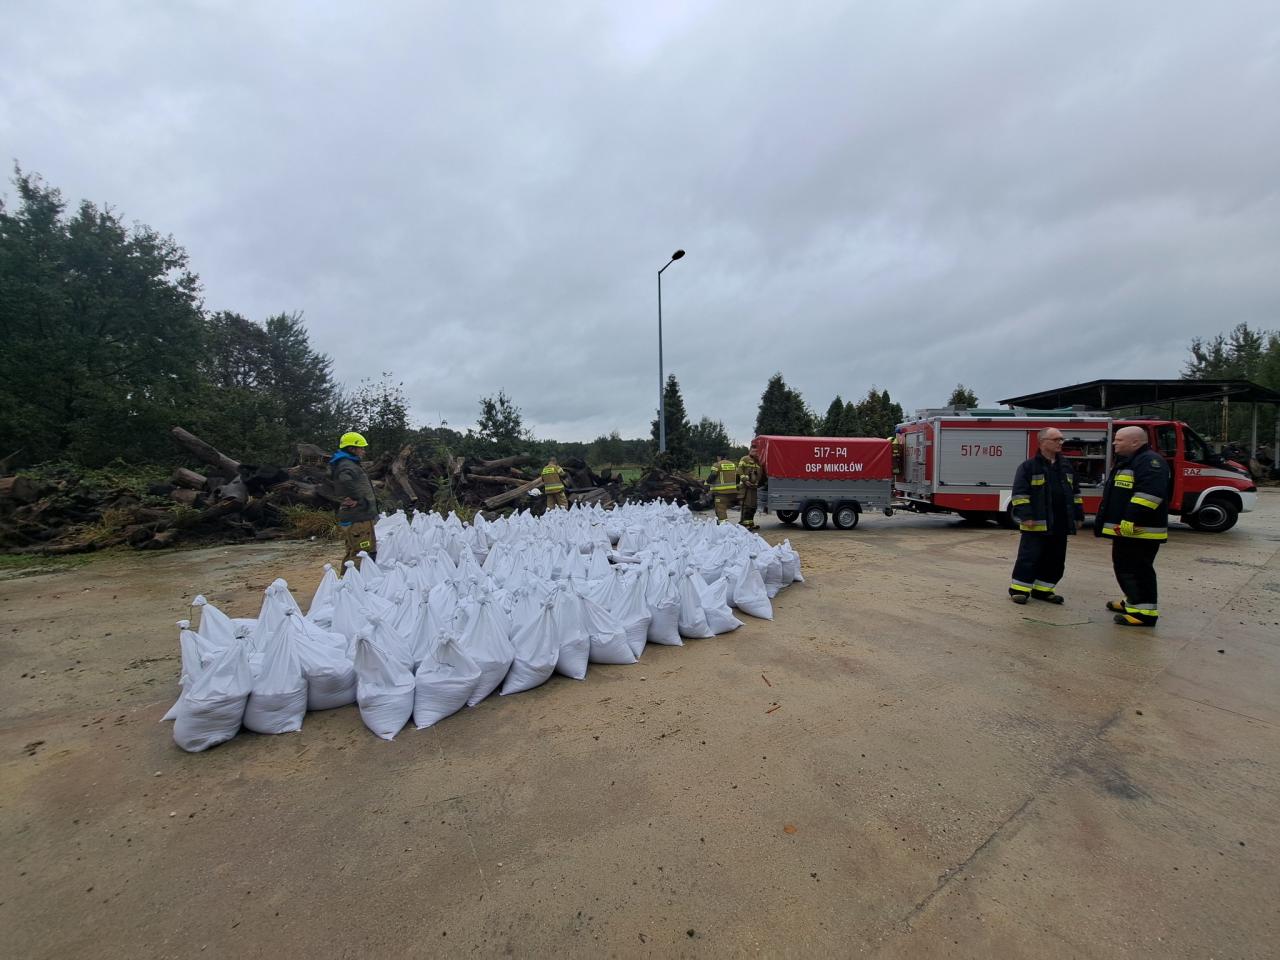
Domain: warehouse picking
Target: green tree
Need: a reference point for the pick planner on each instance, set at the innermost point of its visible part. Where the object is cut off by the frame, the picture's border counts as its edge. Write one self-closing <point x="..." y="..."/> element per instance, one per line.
<point x="962" y="396"/>
<point x="708" y="439"/>
<point x="1242" y="354"/>
<point x="679" y="454"/>
<point x="782" y="411"/>
<point x="500" y="429"/>
<point x="101" y="326"/>
<point x="379" y="410"/>
<point x="877" y="414"/>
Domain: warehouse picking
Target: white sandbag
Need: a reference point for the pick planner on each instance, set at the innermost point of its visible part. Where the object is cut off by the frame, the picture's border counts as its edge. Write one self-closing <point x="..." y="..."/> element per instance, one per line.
<point x="790" y="561"/>
<point x="749" y="594"/>
<point x="212" y="708"/>
<point x="608" y="641"/>
<point x="720" y="618"/>
<point x="330" y="673"/>
<point x="321" y="605"/>
<point x="189" y="647"/>
<point x="444" y="683"/>
<point x="214" y="625"/>
<point x="278" y="701"/>
<point x="575" y="645"/>
<point x="692" y="620"/>
<point x="486" y="642"/>
<point x="425" y="638"/>
<point x="537" y="651"/>
<point x="633" y="612"/>
<point x="664" y="609"/>
<point x="384" y="688"/>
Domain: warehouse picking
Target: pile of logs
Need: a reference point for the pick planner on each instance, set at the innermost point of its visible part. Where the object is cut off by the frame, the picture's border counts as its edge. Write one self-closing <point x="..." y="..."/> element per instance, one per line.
<point x="226" y="500"/>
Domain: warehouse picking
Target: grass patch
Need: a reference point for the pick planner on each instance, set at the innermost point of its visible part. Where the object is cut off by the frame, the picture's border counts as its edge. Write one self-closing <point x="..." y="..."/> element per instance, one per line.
<point x="13" y="566"/>
<point x="308" y="522"/>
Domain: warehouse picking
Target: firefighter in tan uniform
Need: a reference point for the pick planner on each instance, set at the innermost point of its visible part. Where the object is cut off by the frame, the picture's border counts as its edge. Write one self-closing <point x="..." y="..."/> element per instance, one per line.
<point x="750" y="474"/>
<point x="553" y="485"/>
<point x="724" y="485"/>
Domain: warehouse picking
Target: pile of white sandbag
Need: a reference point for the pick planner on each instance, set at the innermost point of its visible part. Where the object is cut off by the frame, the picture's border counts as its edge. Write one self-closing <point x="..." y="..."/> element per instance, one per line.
<point x="451" y="612"/>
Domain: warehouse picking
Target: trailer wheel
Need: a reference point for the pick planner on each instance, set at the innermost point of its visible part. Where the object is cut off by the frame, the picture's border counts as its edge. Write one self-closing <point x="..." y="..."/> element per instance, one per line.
<point x="1216" y="515"/>
<point x="845" y="517"/>
<point x="813" y="517"/>
<point x="788" y="516"/>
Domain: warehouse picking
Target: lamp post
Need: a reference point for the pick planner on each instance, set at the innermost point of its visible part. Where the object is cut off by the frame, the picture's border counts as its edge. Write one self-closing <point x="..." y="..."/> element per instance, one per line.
<point x="662" y="407"/>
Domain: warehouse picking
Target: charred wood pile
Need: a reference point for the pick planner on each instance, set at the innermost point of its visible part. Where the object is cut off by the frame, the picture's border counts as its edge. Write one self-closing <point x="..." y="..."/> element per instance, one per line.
<point x="218" y="498"/>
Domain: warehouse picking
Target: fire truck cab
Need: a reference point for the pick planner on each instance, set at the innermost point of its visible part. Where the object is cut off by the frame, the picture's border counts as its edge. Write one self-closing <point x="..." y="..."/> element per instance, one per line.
<point x="963" y="462"/>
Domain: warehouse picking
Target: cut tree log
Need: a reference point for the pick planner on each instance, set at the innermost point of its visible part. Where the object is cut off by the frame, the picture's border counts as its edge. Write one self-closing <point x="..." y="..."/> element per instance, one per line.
<point x="495" y="502"/>
<point x="400" y="473"/>
<point x="517" y="461"/>
<point x="183" y="477"/>
<point x="504" y="481"/>
<point x="210" y="455"/>
<point x="185" y="497"/>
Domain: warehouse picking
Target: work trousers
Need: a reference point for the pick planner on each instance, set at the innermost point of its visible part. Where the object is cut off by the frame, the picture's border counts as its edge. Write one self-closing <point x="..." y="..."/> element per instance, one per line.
<point x="723" y="501"/>
<point x="748" y="518"/>
<point x="557" y="498"/>
<point x="1042" y="557"/>
<point x="1134" y="563"/>
<point x="356" y="537"/>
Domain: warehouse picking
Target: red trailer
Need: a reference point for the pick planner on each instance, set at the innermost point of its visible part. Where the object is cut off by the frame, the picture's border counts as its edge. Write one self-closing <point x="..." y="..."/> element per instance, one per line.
<point x="813" y="477"/>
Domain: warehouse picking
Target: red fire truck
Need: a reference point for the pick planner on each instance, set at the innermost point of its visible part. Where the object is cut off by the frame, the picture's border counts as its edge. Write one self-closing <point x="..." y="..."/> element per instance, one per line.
<point x="964" y="463"/>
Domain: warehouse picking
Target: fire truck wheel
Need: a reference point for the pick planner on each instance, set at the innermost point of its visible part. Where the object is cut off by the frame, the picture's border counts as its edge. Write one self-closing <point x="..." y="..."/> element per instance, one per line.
<point x="788" y="516"/>
<point x="845" y="517"/>
<point x="1005" y="519"/>
<point x="813" y="518"/>
<point x="1216" y="515"/>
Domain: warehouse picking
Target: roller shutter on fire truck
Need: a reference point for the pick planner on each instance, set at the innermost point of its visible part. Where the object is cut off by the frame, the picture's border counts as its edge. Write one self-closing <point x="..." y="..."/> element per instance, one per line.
<point x="980" y="457"/>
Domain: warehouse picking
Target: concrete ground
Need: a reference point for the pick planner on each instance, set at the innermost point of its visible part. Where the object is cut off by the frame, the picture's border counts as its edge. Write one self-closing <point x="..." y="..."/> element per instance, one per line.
<point x="902" y="764"/>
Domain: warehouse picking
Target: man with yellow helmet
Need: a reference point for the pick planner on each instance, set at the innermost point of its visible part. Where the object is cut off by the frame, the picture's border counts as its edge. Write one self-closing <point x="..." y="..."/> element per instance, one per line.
<point x="357" y="503"/>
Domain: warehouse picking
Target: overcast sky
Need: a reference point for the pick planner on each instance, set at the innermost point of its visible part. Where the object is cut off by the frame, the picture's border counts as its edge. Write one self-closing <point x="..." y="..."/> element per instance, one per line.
<point x="476" y="196"/>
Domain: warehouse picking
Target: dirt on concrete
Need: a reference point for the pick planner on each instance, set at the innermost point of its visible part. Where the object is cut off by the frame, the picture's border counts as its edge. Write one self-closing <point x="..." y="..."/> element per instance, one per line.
<point x="902" y="764"/>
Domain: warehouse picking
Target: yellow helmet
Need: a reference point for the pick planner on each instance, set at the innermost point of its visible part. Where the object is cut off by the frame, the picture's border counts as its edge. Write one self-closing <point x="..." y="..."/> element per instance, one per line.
<point x="352" y="440"/>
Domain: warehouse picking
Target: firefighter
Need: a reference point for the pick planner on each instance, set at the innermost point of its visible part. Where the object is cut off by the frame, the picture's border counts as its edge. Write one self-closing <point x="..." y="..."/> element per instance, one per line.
<point x="553" y="485"/>
<point x="724" y="485"/>
<point x="357" y="505"/>
<point x="1047" y="505"/>
<point x="750" y="474"/>
<point x="1135" y="514"/>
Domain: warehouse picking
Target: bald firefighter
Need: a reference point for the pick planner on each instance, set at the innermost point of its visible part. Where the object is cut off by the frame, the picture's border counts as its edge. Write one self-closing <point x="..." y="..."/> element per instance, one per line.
<point x="357" y="503"/>
<point x="1135" y="515"/>
<point x="724" y="485"/>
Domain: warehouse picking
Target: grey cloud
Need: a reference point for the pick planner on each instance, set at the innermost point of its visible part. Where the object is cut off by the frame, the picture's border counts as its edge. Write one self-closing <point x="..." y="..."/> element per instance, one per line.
<point x="477" y="199"/>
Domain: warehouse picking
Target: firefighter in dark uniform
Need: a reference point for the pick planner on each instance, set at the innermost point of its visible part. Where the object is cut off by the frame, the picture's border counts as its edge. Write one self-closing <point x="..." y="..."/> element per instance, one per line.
<point x="1047" y="506"/>
<point x="1135" y="514"/>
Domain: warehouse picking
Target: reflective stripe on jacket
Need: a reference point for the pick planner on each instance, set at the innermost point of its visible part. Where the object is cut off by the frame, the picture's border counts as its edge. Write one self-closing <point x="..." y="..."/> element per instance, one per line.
<point x="1137" y="491"/>
<point x="1032" y="501"/>
<point x="725" y="477"/>
<point x="749" y="472"/>
<point x="552" y="479"/>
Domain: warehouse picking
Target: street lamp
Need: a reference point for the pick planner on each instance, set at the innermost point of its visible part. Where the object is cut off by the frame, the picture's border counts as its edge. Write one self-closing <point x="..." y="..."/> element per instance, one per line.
<point x="662" y="409"/>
